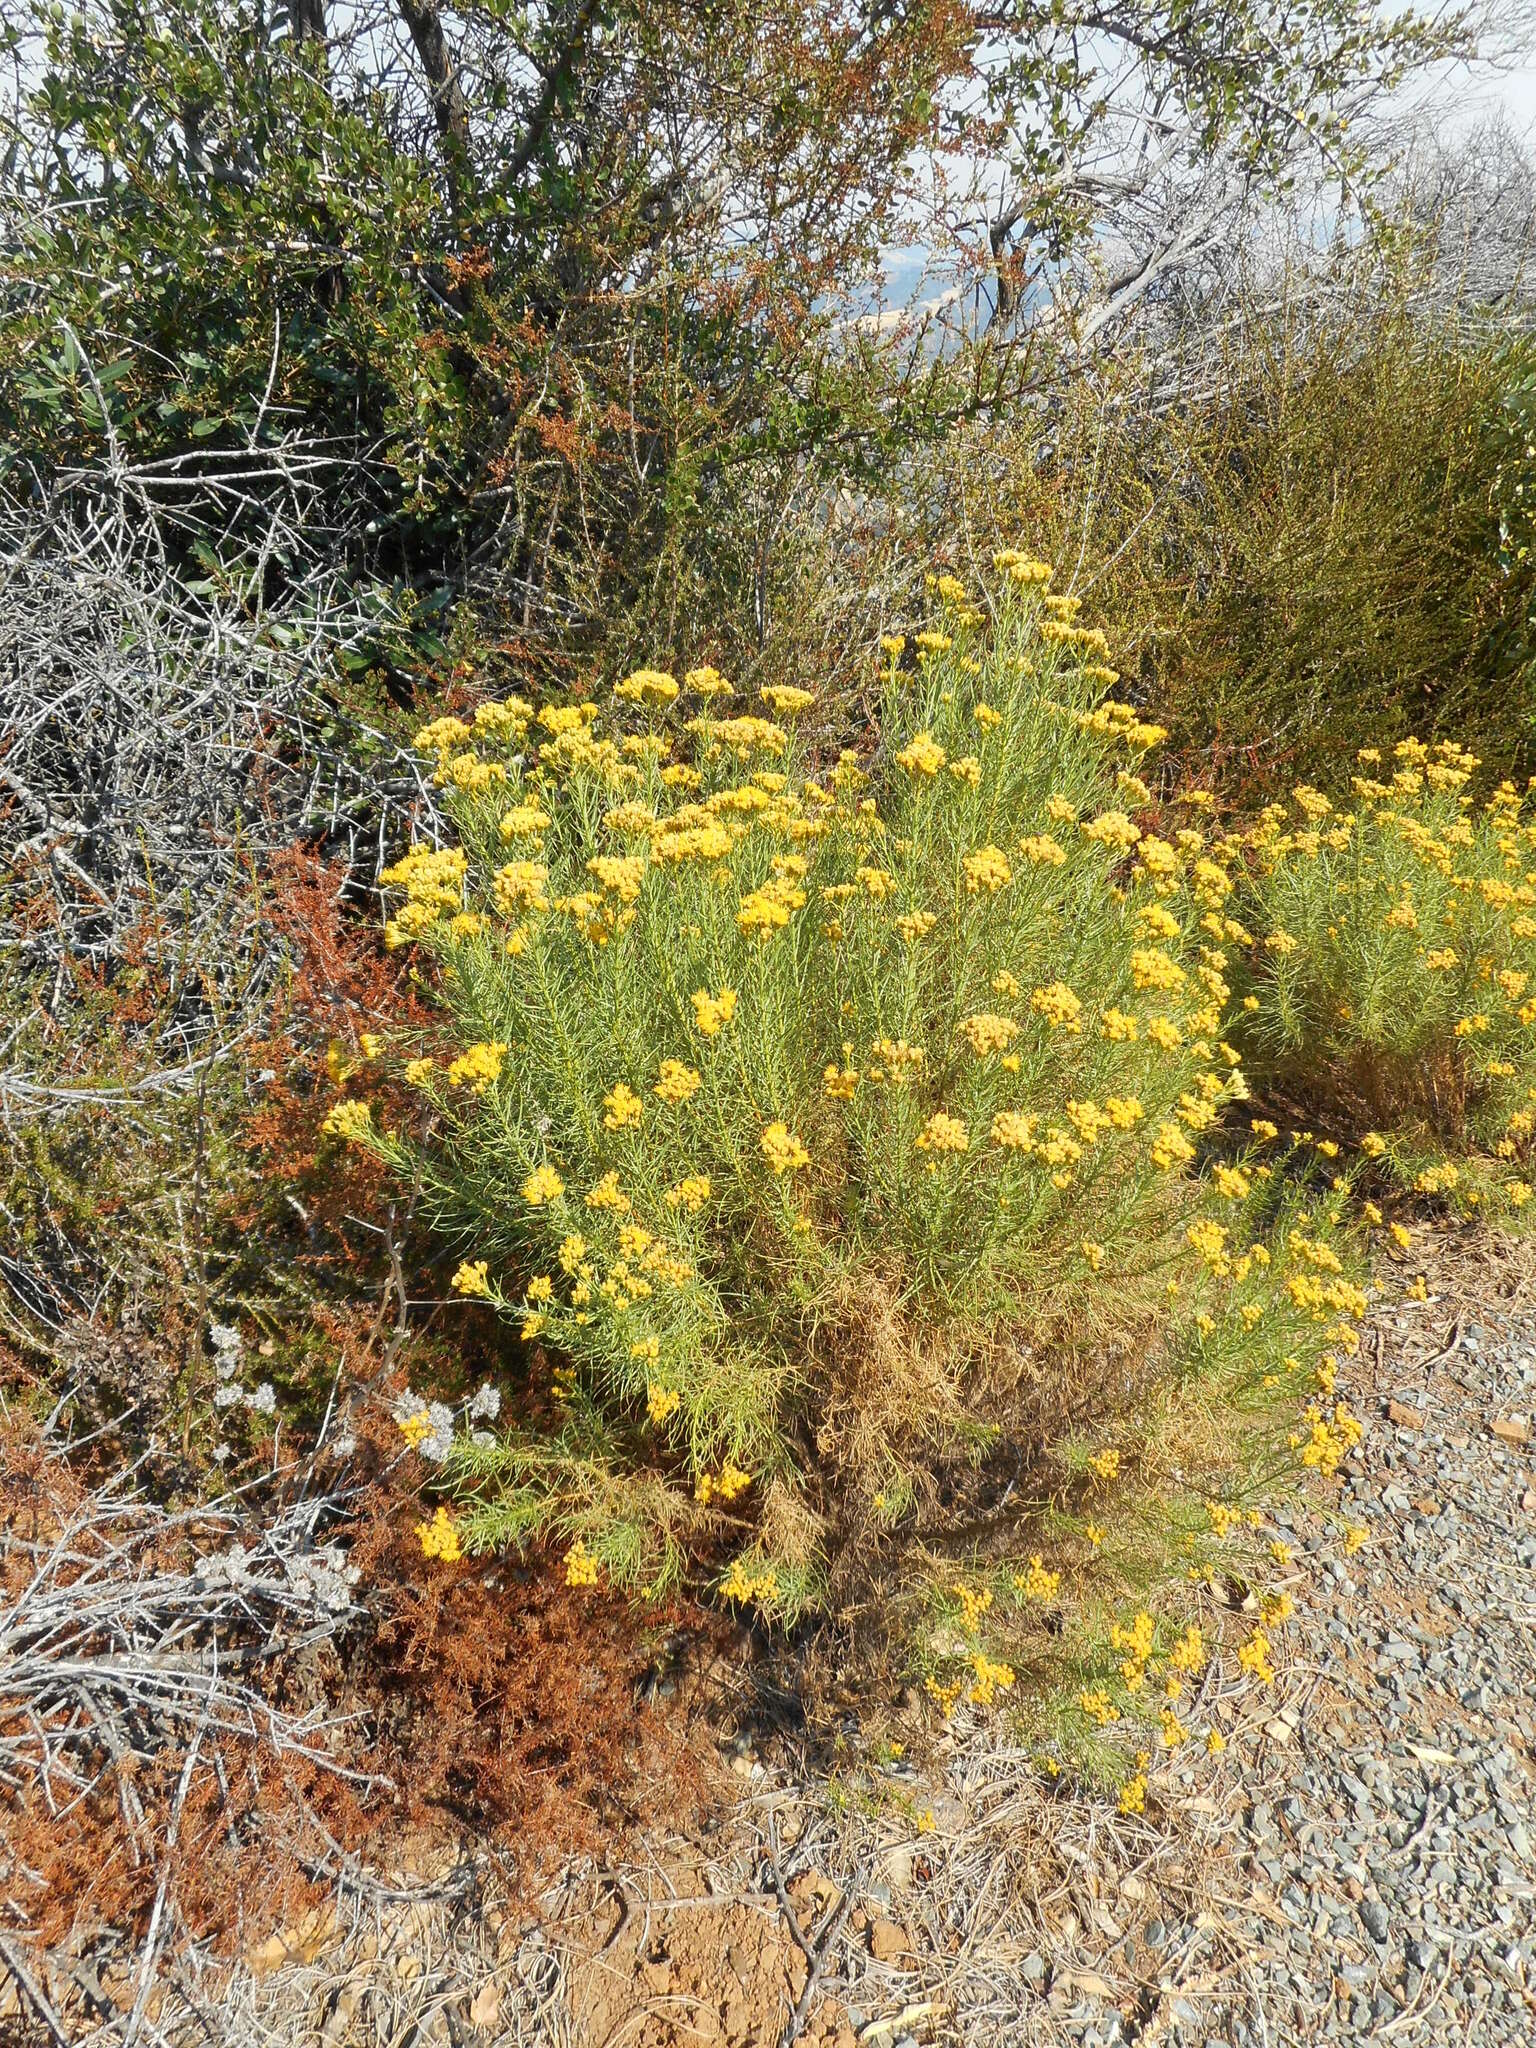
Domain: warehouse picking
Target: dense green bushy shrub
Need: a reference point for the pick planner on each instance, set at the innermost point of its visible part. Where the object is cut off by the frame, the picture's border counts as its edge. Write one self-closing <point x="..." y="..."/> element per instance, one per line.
<point x="1395" y="988"/>
<point x="1343" y="546"/>
<point x="1323" y="545"/>
<point x="799" y="1120"/>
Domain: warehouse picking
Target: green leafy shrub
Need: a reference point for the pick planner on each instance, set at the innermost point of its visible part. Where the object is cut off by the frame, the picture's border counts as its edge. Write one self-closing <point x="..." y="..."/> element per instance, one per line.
<point x="1340" y="538"/>
<point x="813" y="1126"/>
<point x="1321" y="541"/>
<point x="1395" y="983"/>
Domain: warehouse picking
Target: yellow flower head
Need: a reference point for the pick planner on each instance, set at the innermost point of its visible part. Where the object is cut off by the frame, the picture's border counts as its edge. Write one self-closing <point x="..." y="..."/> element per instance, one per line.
<point x="986" y="871"/>
<point x="1037" y="1583"/>
<point x="1113" y="829"/>
<point x="943" y="1133"/>
<point x="348" y="1119"/>
<point x="987" y="1033"/>
<point x="648" y="686"/>
<point x="1042" y="851"/>
<point x="782" y="1149"/>
<point x="471" y="1279"/>
<point x="661" y="1402"/>
<point x="622" y="1108"/>
<point x="677" y="1083"/>
<point x="711" y="1013"/>
<point x="1253" y="1657"/>
<point x="706" y="682"/>
<point x="542" y="1185"/>
<point x="922" y="755"/>
<point x="477" y="1067"/>
<point x="1059" y="1007"/>
<point x="439" y="1538"/>
<point x="784" y="699"/>
<point x="523" y="821"/>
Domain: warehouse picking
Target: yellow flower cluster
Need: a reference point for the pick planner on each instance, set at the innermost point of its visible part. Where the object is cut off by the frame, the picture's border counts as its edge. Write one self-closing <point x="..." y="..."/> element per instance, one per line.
<point x="1037" y="1583"/>
<point x="439" y="1538"/>
<point x="542" y="1185"/>
<point x="986" y="870"/>
<point x="1330" y="1438"/>
<point x="1057" y="1004"/>
<point x="921" y="755"/>
<point x="648" y="686"/>
<point x="983" y="1060"/>
<point x="711" y="1013"/>
<point x="975" y="1601"/>
<point x="986" y="1033"/>
<point x="622" y="1108"/>
<point x="1133" y="1794"/>
<point x="1136" y="1642"/>
<point x="348" y="1119"/>
<point x="677" y="1082"/>
<point x="990" y="1678"/>
<point x="782" y="1149"/>
<point x="1253" y="1657"/>
<point x="478" y="1066"/>
<point x="760" y="1587"/>
<point x="433" y="881"/>
<point x="1189" y="1655"/>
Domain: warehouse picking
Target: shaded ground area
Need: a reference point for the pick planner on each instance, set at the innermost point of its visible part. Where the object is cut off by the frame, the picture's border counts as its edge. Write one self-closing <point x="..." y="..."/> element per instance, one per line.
<point x="1357" y="1864"/>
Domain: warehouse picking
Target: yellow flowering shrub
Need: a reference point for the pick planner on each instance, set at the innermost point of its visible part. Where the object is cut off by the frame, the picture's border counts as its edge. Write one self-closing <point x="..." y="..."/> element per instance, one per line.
<point x="789" y="1105"/>
<point x="1394" y="969"/>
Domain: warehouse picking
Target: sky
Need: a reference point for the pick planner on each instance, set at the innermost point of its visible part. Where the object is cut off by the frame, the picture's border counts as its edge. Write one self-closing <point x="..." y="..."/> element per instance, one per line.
<point x="1517" y="93"/>
<point x="1486" y="92"/>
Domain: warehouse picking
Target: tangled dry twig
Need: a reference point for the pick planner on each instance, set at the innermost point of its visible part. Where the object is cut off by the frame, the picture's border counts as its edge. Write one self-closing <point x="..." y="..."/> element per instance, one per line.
<point x="161" y="737"/>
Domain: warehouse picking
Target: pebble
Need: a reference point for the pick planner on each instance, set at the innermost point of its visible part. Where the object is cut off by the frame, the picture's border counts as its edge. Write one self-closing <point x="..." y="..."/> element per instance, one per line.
<point x="1393" y="1836"/>
<point x="1376" y="1869"/>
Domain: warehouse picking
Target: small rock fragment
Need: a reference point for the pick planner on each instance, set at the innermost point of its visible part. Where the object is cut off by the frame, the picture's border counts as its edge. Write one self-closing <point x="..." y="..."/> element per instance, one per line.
<point x="887" y="1940"/>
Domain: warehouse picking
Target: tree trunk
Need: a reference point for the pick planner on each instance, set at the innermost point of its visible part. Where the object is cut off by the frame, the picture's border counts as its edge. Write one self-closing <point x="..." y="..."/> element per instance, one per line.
<point x="449" y="107"/>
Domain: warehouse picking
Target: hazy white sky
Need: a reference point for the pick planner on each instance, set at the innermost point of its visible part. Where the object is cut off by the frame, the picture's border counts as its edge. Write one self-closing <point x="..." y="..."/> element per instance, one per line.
<point x="1517" y="92"/>
<point x="1459" y="97"/>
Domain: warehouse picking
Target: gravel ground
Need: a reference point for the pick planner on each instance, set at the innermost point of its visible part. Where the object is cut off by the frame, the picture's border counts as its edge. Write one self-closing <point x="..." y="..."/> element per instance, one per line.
<point x="1386" y="1816"/>
<point x="1356" y="1866"/>
<point x="1396" y="1831"/>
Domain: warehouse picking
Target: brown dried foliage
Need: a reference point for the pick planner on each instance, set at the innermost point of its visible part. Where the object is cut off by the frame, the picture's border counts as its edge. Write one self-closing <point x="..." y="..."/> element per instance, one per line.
<point x="505" y="1700"/>
<point x="490" y="1699"/>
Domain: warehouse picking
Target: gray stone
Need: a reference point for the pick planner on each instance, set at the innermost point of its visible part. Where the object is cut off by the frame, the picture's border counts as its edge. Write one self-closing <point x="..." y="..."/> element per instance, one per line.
<point x="1375" y="1919"/>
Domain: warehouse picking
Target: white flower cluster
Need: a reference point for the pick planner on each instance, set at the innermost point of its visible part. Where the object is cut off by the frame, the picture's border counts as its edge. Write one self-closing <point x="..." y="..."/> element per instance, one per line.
<point x="227" y="1346"/>
<point x="482" y="1406"/>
